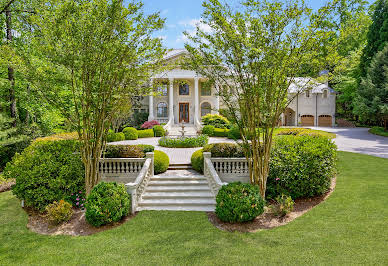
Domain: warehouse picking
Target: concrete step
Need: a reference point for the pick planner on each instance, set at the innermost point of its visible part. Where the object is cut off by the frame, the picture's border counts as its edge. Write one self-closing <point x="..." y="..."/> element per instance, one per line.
<point x="180" y="167"/>
<point x="177" y="178"/>
<point x="178" y="195"/>
<point x="177" y="202"/>
<point x="182" y="188"/>
<point x="177" y="208"/>
<point x="177" y="183"/>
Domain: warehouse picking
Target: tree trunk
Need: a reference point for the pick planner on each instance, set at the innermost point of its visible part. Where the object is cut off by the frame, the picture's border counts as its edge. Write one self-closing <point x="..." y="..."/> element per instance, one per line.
<point x="11" y="77"/>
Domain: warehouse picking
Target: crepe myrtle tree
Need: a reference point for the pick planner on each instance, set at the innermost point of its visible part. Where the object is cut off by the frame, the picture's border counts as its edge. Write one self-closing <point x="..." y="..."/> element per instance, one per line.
<point x="97" y="54"/>
<point x="252" y="55"/>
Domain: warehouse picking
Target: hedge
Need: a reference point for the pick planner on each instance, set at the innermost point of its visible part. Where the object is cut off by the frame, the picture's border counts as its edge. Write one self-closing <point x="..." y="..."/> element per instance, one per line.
<point x="184" y="142"/>
<point x="221" y="132"/>
<point x="130" y="133"/>
<point x="145" y="133"/>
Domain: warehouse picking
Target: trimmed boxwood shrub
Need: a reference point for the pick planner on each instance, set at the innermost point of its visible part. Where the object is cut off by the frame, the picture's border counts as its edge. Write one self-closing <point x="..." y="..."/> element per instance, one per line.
<point x="301" y="166"/>
<point x="112" y="137"/>
<point x="124" y="151"/>
<point x="221" y="132"/>
<point x="145" y="133"/>
<point x="239" y="202"/>
<point x="46" y="171"/>
<point x="107" y="203"/>
<point x="146" y="148"/>
<point x="130" y="133"/>
<point x="208" y="130"/>
<point x="197" y="160"/>
<point x="234" y="133"/>
<point x="158" y="131"/>
<point x="184" y="142"/>
<point x="161" y="162"/>
<point x="217" y="121"/>
<point x="225" y="150"/>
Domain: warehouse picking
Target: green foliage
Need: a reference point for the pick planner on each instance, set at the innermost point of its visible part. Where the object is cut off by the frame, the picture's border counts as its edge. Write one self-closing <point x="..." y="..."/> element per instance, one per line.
<point x="112" y="137"/>
<point x="197" y="160"/>
<point x="130" y="133"/>
<point x="301" y="166"/>
<point x="124" y="151"/>
<point x="379" y="131"/>
<point x="146" y="148"/>
<point x="377" y="36"/>
<point x="217" y="121"/>
<point x="59" y="212"/>
<point x="145" y="133"/>
<point x="158" y="131"/>
<point x="234" y="132"/>
<point x="283" y="206"/>
<point x="238" y="202"/>
<point x="107" y="203"/>
<point x="225" y="150"/>
<point x="77" y="199"/>
<point x="184" y="142"/>
<point x="303" y="132"/>
<point x="208" y="130"/>
<point x="372" y="99"/>
<point x="46" y="171"/>
<point x="161" y="162"/>
<point x="221" y="132"/>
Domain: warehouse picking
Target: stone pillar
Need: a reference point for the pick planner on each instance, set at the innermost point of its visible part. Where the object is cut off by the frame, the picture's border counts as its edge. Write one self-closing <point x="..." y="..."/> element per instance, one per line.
<point x="151" y="104"/>
<point x="151" y="156"/>
<point x="196" y="100"/>
<point x="206" y="155"/>
<point x="171" y="101"/>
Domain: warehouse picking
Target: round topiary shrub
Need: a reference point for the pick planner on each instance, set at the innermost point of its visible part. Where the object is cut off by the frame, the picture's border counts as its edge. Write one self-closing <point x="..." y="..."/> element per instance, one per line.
<point x="197" y="160"/>
<point x="130" y="133"/>
<point x="119" y="136"/>
<point x="301" y="166"/>
<point x="111" y="136"/>
<point x="46" y="171"/>
<point x="158" y="131"/>
<point x="208" y="130"/>
<point x="59" y="212"/>
<point x="239" y="202"/>
<point x="234" y="133"/>
<point x="107" y="203"/>
<point x="161" y="162"/>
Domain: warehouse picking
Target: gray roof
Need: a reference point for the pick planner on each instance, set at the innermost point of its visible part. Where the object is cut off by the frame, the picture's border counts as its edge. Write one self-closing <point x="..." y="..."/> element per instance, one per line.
<point x="302" y="84"/>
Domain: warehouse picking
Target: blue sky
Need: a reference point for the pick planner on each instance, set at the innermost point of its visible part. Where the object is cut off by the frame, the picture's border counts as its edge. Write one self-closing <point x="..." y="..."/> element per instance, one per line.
<point x="183" y="15"/>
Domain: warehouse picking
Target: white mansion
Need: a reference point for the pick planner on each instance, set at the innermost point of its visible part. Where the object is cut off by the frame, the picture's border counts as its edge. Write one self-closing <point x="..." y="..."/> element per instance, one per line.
<point x="184" y="97"/>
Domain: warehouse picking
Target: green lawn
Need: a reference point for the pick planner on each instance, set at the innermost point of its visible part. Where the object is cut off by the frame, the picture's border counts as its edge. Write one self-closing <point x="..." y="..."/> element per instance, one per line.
<point x="379" y="131"/>
<point x="351" y="227"/>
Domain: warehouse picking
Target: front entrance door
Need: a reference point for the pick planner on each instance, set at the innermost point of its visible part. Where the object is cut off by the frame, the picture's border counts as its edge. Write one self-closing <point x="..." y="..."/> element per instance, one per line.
<point x="183" y="112"/>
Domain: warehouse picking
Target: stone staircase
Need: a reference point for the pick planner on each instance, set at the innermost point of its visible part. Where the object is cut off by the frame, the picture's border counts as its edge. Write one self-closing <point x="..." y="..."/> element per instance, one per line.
<point x="183" y="190"/>
<point x="190" y="130"/>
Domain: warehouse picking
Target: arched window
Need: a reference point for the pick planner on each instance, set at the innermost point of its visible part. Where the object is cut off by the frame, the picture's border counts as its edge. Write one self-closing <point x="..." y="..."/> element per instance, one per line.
<point x="162" y="109"/>
<point x="206" y="108"/>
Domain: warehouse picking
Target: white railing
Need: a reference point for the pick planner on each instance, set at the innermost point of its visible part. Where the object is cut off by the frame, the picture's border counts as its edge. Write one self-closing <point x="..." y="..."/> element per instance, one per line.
<point x="121" y="170"/>
<point x="211" y="175"/>
<point x="136" y="188"/>
<point x="162" y="120"/>
<point x="229" y="169"/>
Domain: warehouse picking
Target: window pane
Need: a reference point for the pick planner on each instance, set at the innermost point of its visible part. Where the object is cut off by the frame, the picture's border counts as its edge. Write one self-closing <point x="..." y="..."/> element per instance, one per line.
<point x="184" y="89"/>
<point x="161" y="110"/>
<point x="162" y="89"/>
<point x="205" y="89"/>
<point x="205" y="108"/>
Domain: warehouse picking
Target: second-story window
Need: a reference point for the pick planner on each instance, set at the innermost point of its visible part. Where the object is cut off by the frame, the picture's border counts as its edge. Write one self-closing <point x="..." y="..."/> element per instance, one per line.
<point x="184" y="89"/>
<point x="206" y="89"/>
<point x="162" y="89"/>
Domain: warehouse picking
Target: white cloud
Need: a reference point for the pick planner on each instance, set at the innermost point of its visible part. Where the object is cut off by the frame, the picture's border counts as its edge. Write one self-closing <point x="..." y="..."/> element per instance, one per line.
<point x="190" y="26"/>
<point x="162" y="37"/>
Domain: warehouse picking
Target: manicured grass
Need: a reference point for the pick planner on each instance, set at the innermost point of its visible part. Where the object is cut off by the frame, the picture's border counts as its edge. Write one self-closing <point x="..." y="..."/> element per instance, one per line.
<point x="349" y="228"/>
<point x="379" y="131"/>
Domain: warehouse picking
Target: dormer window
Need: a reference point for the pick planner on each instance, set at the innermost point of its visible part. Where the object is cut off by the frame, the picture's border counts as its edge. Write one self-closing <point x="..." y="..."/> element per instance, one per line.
<point x="325" y="94"/>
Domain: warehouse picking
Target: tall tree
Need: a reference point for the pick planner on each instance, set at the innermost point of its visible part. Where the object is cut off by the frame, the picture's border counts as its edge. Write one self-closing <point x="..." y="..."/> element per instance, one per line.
<point x="252" y="55"/>
<point x="372" y="100"/>
<point x="97" y="54"/>
<point x="377" y="36"/>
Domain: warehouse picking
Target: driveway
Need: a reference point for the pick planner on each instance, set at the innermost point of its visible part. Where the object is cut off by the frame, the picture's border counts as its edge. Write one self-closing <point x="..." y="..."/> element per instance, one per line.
<point x="359" y="140"/>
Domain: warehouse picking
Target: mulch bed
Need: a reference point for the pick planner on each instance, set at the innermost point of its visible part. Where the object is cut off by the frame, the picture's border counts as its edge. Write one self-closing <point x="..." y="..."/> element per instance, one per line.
<point x="268" y="220"/>
<point x="77" y="226"/>
<point x="5" y="186"/>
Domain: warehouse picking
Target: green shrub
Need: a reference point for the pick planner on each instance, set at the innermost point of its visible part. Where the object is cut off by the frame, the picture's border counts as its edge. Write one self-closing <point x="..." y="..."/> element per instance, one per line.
<point x="234" y="132"/>
<point x="208" y="130"/>
<point x="197" y="160"/>
<point x="46" y="171"/>
<point x="239" y="202"/>
<point x="124" y="151"/>
<point x="107" y="203"/>
<point x="145" y="133"/>
<point x="130" y="133"/>
<point x="161" y="162"/>
<point x="225" y="150"/>
<point x="217" y="121"/>
<point x="59" y="212"/>
<point x="112" y="137"/>
<point x="283" y="206"/>
<point x="301" y="166"/>
<point x="158" y="131"/>
<point x="120" y="136"/>
<point x="8" y="150"/>
<point x="221" y="132"/>
<point x="184" y="142"/>
<point x="379" y="131"/>
<point x="146" y="148"/>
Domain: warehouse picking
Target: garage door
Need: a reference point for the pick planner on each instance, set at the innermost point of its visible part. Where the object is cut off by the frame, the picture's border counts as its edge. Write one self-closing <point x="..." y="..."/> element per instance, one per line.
<point x="324" y="121"/>
<point x="307" y="120"/>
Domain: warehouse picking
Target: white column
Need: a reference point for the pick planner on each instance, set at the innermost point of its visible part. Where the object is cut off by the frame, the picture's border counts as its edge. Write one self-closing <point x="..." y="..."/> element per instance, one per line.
<point x="151" y="104"/>
<point x="196" y="100"/>
<point x="217" y="106"/>
<point x="171" y="101"/>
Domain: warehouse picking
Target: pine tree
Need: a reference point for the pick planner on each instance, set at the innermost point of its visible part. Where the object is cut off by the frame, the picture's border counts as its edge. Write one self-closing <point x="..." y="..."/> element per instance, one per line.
<point x="377" y="36"/>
